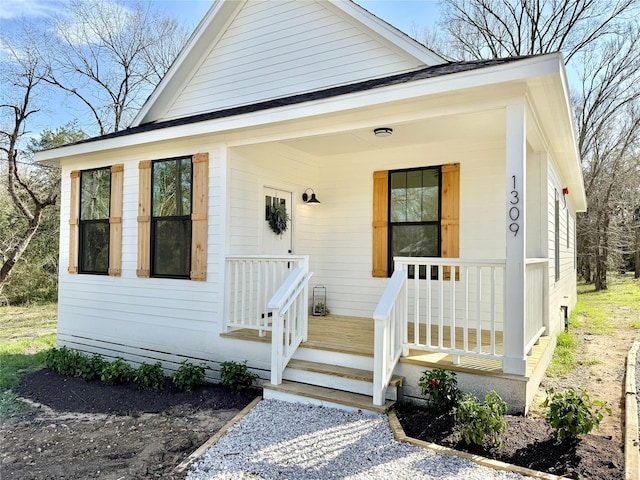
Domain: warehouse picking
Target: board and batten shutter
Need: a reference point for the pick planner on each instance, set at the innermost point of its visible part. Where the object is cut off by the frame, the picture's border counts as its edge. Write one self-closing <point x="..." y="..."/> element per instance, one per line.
<point x="380" y="223"/>
<point x="199" y="216"/>
<point x="449" y="221"/>
<point x="115" y="221"/>
<point x="144" y="219"/>
<point x="74" y="217"/>
<point x="450" y="215"/>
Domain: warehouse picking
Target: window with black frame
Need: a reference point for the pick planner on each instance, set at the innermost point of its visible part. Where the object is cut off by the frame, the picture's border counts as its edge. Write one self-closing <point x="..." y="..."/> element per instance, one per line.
<point x="171" y="186"/>
<point x="414" y="215"/>
<point x="95" y="201"/>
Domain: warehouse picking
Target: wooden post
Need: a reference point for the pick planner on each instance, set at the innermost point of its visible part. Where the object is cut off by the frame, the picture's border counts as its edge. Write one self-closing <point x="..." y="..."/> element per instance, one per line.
<point x="514" y="360"/>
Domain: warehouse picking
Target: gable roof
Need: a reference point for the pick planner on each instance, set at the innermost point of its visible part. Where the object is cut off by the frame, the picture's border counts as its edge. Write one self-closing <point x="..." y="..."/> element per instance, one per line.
<point x="243" y="53"/>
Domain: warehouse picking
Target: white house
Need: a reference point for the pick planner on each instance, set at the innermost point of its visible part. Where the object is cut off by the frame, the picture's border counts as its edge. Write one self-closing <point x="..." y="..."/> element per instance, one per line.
<point x="448" y="194"/>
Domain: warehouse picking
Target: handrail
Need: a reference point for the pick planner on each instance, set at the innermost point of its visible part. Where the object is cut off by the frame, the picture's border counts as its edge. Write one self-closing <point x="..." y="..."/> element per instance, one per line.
<point x="390" y="333"/>
<point x="289" y="321"/>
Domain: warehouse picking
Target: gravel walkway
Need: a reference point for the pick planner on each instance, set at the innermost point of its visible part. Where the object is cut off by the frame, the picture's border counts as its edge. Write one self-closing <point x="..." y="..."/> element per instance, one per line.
<point x="280" y="440"/>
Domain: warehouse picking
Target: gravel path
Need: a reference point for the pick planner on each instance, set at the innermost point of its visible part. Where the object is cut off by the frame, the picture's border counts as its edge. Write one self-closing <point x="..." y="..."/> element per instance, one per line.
<point x="280" y="440"/>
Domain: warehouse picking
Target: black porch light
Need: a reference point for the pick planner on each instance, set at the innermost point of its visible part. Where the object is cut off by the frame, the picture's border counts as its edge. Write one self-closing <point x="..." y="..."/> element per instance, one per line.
<point x="306" y="198"/>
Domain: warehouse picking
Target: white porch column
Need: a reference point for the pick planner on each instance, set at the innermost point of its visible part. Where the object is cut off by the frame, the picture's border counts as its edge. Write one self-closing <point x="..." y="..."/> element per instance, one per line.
<point x="515" y="361"/>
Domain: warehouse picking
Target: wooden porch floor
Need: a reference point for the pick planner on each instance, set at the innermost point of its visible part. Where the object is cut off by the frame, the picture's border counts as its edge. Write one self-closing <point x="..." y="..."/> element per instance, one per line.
<point x="355" y="335"/>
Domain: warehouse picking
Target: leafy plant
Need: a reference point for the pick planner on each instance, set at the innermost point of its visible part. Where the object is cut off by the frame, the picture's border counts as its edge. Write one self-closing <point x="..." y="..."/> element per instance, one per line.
<point x="236" y="375"/>
<point x="63" y="361"/>
<point x="117" y="372"/>
<point x="149" y="377"/>
<point x="440" y="387"/>
<point x="90" y="368"/>
<point x="188" y="376"/>
<point x="572" y="414"/>
<point x="481" y="423"/>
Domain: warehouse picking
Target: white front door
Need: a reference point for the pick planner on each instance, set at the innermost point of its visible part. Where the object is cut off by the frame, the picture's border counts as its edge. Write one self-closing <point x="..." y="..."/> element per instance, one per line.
<point x="273" y="243"/>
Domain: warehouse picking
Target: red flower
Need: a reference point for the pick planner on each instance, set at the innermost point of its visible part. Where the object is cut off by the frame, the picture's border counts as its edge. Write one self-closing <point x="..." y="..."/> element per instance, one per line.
<point x="434" y="381"/>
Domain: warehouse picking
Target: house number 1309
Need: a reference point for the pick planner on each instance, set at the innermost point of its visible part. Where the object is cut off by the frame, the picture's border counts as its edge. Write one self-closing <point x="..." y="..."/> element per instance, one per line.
<point x="514" y="210"/>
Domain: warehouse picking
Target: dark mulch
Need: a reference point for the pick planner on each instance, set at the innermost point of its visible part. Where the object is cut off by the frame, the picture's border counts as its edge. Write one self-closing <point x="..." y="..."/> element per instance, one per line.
<point x="528" y="443"/>
<point x="71" y="394"/>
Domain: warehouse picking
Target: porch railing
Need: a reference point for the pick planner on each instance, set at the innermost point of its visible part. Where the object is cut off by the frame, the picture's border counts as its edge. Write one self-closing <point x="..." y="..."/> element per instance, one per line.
<point x="389" y="333"/>
<point x="252" y="280"/>
<point x="535" y="325"/>
<point x="455" y="306"/>
<point x="290" y="320"/>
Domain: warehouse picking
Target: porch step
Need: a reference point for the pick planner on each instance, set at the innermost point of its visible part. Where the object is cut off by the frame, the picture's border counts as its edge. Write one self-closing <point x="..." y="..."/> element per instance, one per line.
<point x="323" y="396"/>
<point x="339" y="377"/>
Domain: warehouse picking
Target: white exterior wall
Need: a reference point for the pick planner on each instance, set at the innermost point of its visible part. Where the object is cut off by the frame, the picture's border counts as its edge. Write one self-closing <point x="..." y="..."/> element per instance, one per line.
<point x="563" y="291"/>
<point x="295" y="46"/>
<point x="145" y="319"/>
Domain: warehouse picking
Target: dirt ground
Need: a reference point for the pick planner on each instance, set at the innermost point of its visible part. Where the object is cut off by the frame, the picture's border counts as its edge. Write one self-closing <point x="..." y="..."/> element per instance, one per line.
<point x="81" y="430"/>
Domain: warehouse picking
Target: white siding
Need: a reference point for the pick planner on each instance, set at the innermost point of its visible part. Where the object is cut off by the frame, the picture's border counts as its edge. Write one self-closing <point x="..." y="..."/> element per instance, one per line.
<point x="277" y="49"/>
<point x="563" y="291"/>
<point x="337" y="233"/>
<point x="163" y="317"/>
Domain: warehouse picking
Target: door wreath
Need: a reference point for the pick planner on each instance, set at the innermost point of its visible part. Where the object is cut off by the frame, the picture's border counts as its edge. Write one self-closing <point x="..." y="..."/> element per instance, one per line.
<point x="278" y="218"/>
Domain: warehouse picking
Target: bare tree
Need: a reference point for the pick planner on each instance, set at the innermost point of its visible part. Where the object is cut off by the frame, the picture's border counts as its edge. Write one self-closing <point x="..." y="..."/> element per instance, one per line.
<point x="109" y="57"/>
<point x="22" y="73"/>
<point x="503" y="28"/>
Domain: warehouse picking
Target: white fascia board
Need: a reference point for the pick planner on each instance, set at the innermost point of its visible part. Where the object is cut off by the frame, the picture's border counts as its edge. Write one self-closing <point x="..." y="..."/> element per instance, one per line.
<point x="526" y="68"/>
<point x="201" y="41"/>
<point x="389" y="32"/>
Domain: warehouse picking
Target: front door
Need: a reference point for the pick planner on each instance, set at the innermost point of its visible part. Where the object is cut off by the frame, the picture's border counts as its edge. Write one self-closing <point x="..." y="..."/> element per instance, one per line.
<point x="277" y="202"/>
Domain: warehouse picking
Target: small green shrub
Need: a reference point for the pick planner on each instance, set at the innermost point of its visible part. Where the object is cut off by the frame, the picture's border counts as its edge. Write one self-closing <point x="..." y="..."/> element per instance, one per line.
<point x="481" y="423"/>
<point x="188" y="377"/>
<point x="63" y="361"/>
<point x="149" y="377"/>
<point x="572" y="414"/>
<point x="236" y="376"/>
<point x="441" y="388"/>
<point x="90" y="368"/>
<point x="117" y="372"/>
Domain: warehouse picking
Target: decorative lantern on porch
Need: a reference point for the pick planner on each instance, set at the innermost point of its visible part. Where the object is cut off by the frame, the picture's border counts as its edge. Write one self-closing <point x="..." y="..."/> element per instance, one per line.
<point x="319" y="304"/>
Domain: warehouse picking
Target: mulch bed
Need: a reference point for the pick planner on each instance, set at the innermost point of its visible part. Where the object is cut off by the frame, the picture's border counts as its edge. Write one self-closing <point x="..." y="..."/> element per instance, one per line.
<point x="528" y="442"/>
<point x="72" y="394"/>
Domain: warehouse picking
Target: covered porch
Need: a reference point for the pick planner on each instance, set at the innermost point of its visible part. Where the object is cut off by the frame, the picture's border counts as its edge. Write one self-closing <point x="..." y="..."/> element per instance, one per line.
<point x="451" y="317"/>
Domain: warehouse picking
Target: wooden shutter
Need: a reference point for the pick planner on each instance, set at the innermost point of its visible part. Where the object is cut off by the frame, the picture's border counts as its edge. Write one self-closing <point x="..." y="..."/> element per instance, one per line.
<point x="144" y="219"/>
<point x="115" y="221"/>
<point x="450" y="219"/>
<point x="199" y="217"/>
<point x="74" y="215"/>
<point x="380" y="222"/>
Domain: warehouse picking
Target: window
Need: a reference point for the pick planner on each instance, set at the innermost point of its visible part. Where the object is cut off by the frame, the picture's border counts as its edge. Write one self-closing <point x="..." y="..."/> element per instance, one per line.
<point x="172" y="217"/>
<point x="95" y="221"/>
<point x="95" y="201"/>
<point x="415" y="213"/>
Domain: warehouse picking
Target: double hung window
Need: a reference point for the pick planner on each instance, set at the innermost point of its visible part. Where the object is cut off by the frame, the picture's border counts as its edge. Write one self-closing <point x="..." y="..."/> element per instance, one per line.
<point x="171" y="217"/>
<point x="95" y="203"/>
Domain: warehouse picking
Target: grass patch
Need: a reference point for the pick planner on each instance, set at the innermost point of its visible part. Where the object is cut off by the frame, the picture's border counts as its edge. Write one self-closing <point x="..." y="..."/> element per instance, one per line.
<point x="635" y="325"/>
<point x="26" y="334"/>
<point x="564" y="358"/>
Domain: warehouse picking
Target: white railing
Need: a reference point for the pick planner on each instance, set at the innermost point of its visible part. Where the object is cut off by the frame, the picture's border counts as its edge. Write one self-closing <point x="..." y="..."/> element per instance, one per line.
<point x="534" y="325"/>
<point x="290" y="319"/>
<point x="389" y="336"/>
<point x="251" y="282"/>
<point x="459" y="313"/>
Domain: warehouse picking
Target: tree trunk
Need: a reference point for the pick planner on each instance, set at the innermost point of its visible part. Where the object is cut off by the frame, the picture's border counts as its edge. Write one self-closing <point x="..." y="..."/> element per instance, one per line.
<point x="15" y="253"/>
<point x="602" y="252"/>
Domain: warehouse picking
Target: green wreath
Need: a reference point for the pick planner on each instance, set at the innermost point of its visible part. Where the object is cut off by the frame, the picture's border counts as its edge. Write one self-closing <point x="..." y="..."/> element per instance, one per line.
<point x="278" y="219"/>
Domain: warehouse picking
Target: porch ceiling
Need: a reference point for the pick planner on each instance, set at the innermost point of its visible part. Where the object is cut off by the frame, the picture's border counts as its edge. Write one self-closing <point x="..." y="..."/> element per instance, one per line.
<point x="484" y="126"/>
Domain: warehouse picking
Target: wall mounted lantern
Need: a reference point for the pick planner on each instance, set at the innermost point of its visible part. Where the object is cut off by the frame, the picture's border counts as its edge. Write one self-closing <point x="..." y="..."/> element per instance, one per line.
<point x="306" y="198"/>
